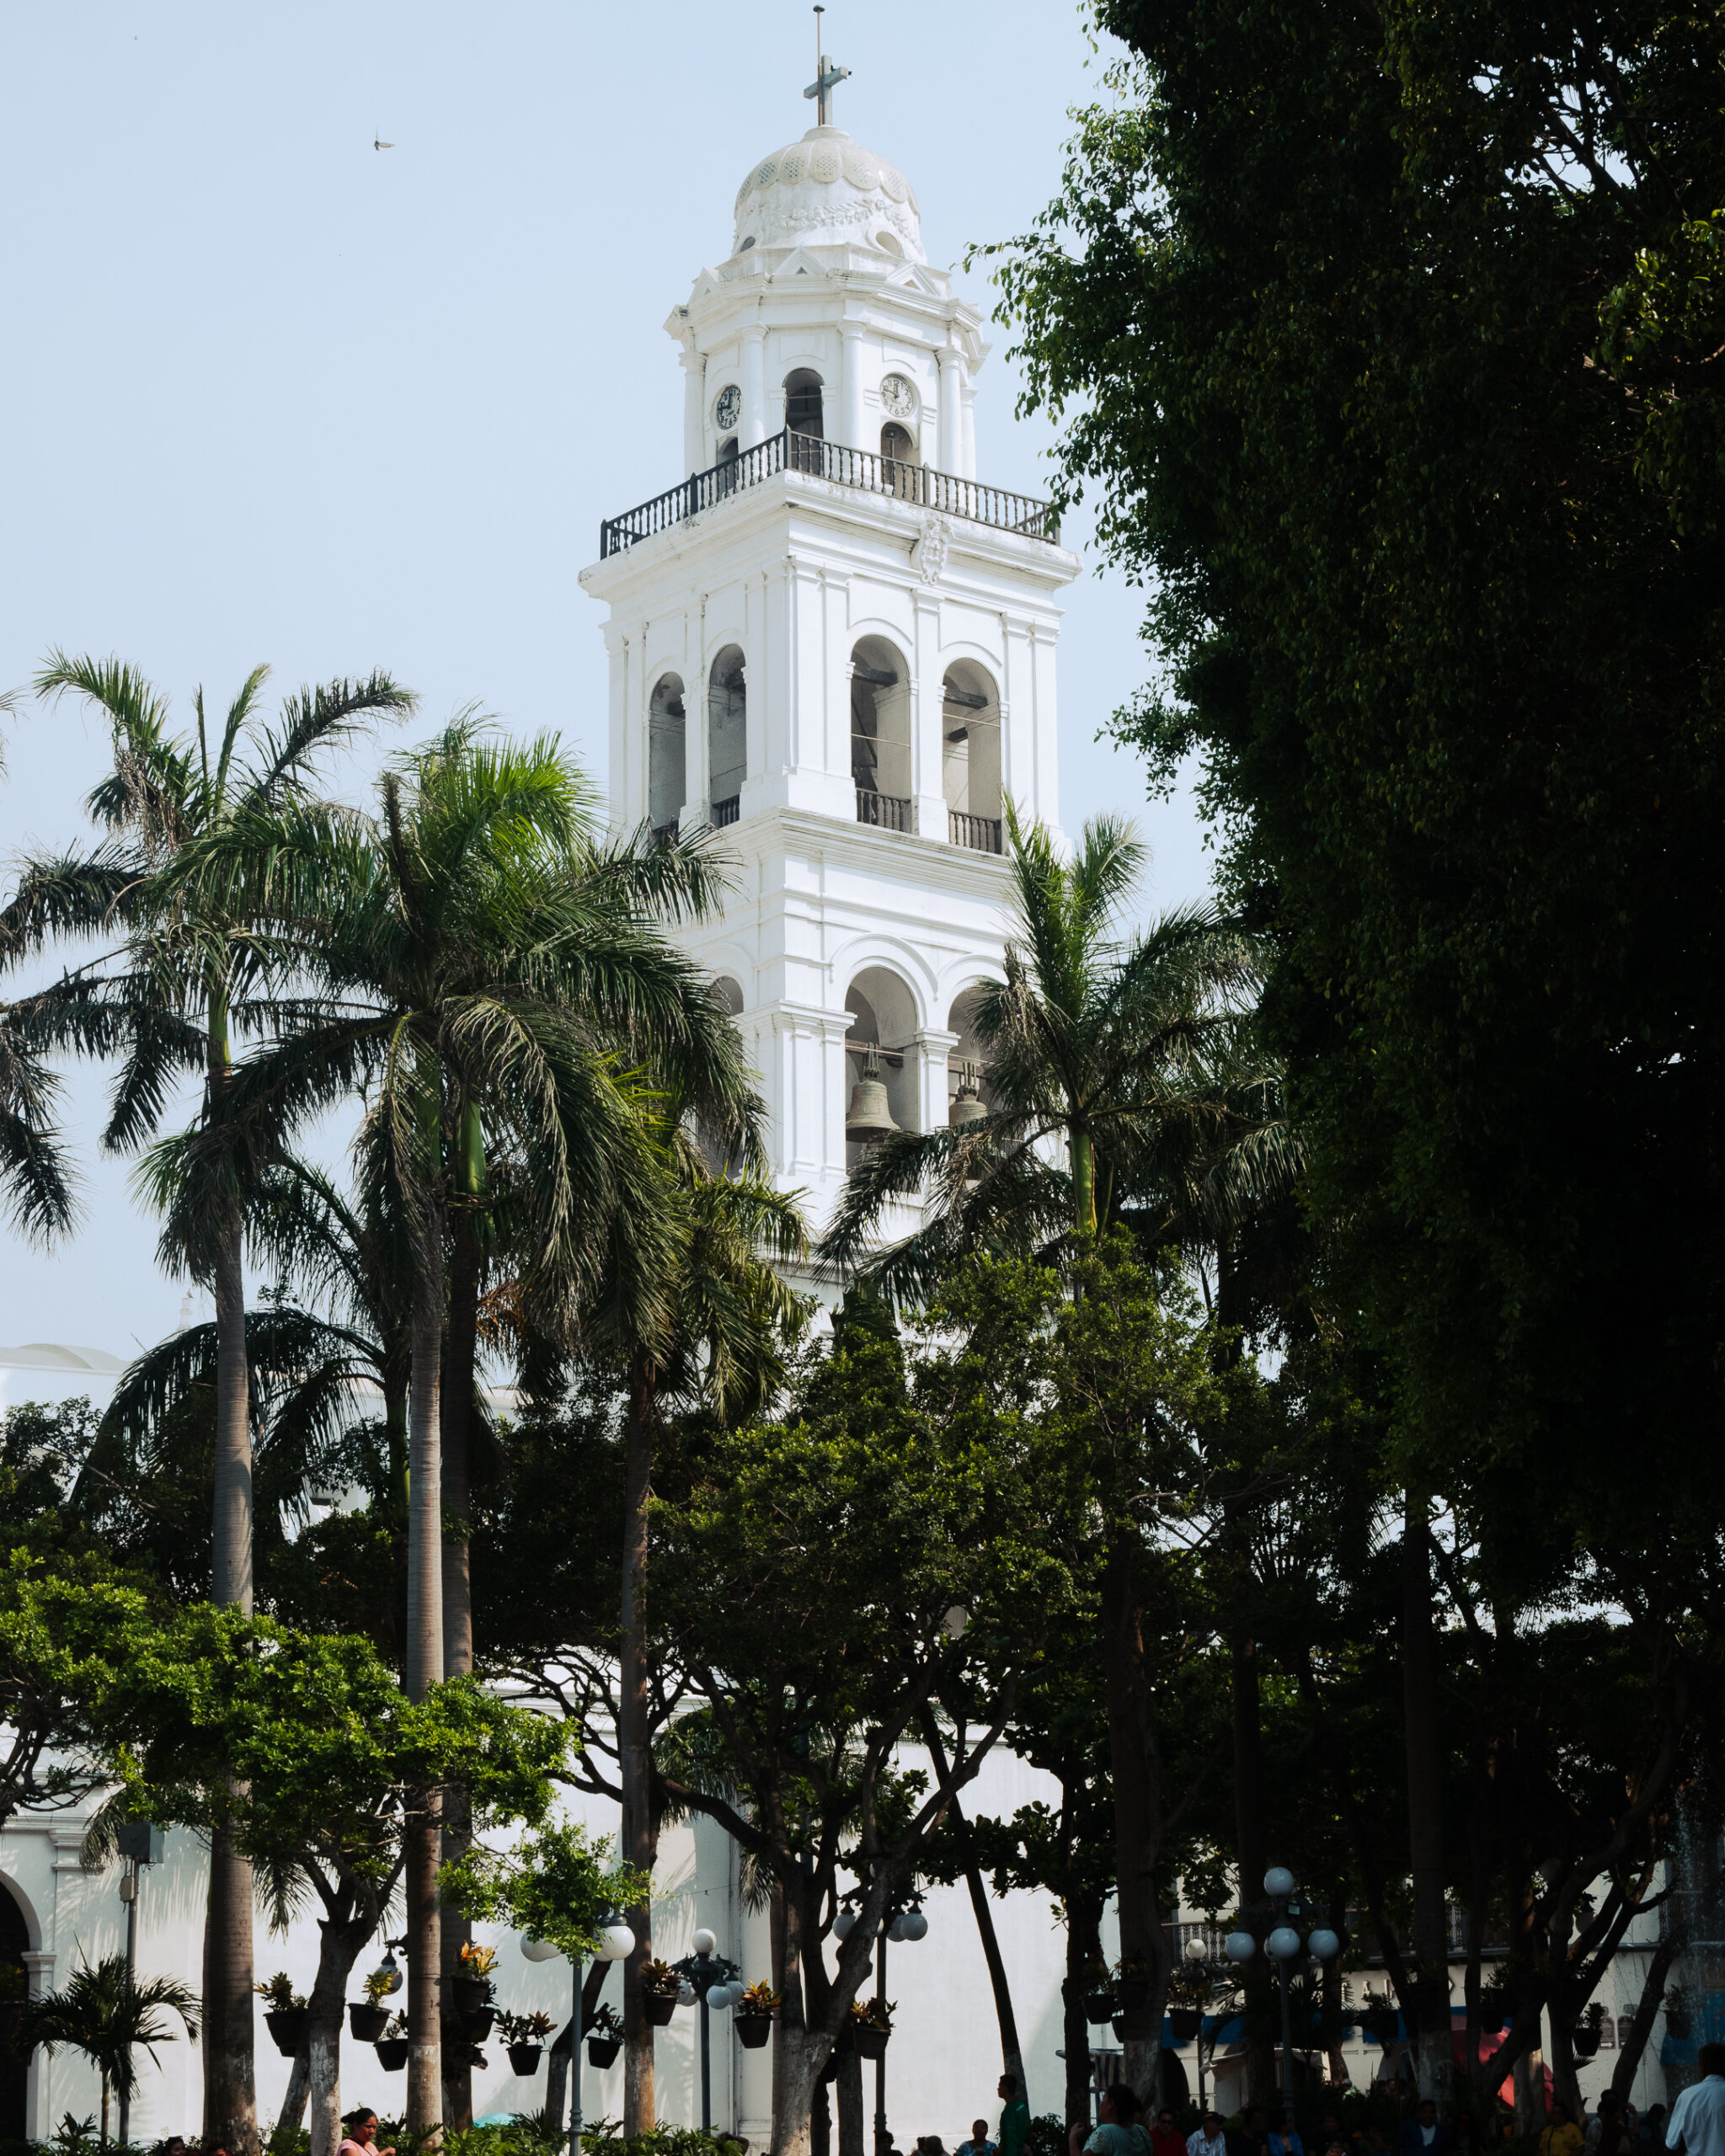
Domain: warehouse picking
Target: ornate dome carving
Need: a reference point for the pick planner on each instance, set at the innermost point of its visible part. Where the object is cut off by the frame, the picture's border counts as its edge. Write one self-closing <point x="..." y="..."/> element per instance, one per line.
<point x="825" y="191"/>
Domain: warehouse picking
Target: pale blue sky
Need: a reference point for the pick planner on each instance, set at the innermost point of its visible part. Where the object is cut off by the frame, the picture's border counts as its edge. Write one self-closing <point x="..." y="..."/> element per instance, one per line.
<point x="270" y="394"/>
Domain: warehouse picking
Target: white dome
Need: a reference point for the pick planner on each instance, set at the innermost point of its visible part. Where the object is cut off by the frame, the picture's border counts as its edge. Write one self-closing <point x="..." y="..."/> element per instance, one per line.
<point x="828" y="191"/>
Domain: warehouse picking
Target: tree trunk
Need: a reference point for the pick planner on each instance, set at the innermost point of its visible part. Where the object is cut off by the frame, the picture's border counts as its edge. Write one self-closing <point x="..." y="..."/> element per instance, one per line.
<point x="293" y="2104"/>
<point x="1083" y="1152"/>
<point x="341" y="1940"/>
<point x="424" y="1662"/>
<point x="456" y="1416"/>
<point x="1135" y="1772"/>
<point x="1251" y="1839"/>
<point x="800" y="2054"/>
<point x="230" y="2098"/>
<point x="1651" y="1991"/>
<point x="1012" y="2056"/>
<point x="1083" y="1950"/>
<point x="634" y="1745"/>
<point x="1433" y="2056"/>
<point x="850" y="2106"/>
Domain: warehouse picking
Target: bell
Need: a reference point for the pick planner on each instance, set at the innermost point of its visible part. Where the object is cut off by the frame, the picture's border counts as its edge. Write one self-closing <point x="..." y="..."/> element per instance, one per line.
<point x="966" y="1108"/>
<point x="870" y="1118"/>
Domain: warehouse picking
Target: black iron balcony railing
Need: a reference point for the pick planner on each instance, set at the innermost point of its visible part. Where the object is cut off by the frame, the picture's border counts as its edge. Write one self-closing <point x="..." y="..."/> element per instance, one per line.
<point x="886" y="812"/>
<point x="727" y="811"/>
<point x="981" y="834"/>
<point x="846" y="468"/>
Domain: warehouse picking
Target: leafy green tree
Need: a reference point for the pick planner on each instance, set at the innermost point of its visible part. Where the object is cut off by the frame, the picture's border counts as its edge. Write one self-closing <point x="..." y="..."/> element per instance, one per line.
<point x="178" y="975"/>
<point x="494" y="978"/>
<point x="1135" y="1060"/>
<point x="106" y="2013"/>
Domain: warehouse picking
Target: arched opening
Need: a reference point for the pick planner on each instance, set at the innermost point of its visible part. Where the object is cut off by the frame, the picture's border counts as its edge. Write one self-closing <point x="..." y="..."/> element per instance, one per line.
<point x="888" y="242"/>
<point x="878" y="1053"/>
<point x="968" y="1092"/>
<point x="896" y="443"/>
<point x="667" y="755"/>
<point x="898" y="471"/>
<point x="880" y="734"/>
<point x="970" y="757"/>
<point x="805" y="421"/>
<point x="14" y="2067"/>
<point x="727" y="735"/>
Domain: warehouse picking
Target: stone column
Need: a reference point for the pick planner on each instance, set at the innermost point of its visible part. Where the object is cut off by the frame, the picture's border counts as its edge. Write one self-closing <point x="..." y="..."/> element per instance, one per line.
<point x="850" y="421"/>
<point x="694" y="407"/>
<point x="934" y="1050"/>
<point x="969" y="466"/>
<point x="949" y="453"/>
<point x="928" y="776"/>
<point x="753" y="428"/>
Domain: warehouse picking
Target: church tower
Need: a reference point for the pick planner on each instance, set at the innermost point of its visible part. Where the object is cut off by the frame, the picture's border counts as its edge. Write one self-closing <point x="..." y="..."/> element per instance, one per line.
<point x="835" y="641"/>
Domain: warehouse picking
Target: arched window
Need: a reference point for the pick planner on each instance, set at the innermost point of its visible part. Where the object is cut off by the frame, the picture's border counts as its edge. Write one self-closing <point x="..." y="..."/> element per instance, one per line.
<point x="727" y="735"/>
<point x="899" y="474"/>
<point x="970" y="757"/>
<point x="969" y="1093"/>
<point x="880" y="735"/>
<point x="14" y="2066"/>
<point x="667" y="755"/>
<point x="878" y="1051"/>
<point x="803" y="419"/>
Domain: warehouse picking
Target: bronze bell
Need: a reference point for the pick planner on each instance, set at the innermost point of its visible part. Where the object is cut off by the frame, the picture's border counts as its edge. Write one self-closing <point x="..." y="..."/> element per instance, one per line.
<point x="966" y="1108"/>
<point x="870" y="1118"/>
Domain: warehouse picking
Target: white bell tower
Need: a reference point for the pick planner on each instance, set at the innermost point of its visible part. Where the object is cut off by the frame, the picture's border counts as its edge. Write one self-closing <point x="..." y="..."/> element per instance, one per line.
<point x="836" y="642"/>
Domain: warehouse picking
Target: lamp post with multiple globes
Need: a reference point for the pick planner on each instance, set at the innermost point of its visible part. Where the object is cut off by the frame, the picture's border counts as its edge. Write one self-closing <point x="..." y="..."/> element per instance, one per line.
<point x="714" y="1982"/>
<point x="903" y="1920"/>
<point x="1290" y="1934"/>
<point x="616" y="1942"/>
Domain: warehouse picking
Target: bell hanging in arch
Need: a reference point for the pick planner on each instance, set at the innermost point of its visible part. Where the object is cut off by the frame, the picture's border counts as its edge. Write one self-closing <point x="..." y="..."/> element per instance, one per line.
<point x="967" y="1106"/>
<point x="870" y="1118"/>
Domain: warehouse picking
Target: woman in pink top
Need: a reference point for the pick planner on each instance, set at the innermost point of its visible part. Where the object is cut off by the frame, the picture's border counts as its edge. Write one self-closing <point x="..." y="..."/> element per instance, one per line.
<point x="361" y="2132"/>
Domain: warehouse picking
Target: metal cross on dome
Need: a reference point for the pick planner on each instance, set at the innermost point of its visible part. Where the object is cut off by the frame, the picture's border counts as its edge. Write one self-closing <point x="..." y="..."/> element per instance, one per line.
<point x="827" y="77"/>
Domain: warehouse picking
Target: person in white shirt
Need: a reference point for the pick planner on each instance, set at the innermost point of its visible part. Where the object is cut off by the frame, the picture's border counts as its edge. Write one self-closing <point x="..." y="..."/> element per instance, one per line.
<point x="1697" y="2121"/>
<point x="1208" y="2140"/>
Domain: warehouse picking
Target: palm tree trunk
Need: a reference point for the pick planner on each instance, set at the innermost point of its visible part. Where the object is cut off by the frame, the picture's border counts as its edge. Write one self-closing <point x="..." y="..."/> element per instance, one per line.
<point x="634" y="1747"/>
<point x="104" y="2110"/>
<point x="230" y="2093"/>
<point x="456" y="1416"/>
<point x="1083" y="1183"/>
<point x="1134" y="1770"/>
<point x="424" y="1662"/>
<point x="1425" y="1804"/>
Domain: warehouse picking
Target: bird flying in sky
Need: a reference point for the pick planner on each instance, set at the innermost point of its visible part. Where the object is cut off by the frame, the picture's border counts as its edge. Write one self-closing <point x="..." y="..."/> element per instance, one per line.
<point x="378" y="144"/>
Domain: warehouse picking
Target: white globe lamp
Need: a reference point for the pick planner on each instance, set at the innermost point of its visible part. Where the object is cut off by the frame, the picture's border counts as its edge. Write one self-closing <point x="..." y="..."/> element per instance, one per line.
<point x="842" y="1922"/>
<point x="915" y="1925"/>
<point x="538" y="1950"/>
<point x="1194" y="1950"/>
<point x="1283" y="1942"/>
<point x="616" y="1942"/>
<point x="1324" y="1943"/>
<point x="1239" y="1946"/>
<point x="1278" y="1882"/>
<point x="705" y="1940"/>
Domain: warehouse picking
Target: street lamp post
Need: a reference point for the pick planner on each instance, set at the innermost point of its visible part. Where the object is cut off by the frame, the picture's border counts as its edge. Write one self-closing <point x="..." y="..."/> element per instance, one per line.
<point x="616" y="1942"/>
<point x="714" y="1982"/>
<point x="1289" y="1936"/>
<point x="903" y="1920"/>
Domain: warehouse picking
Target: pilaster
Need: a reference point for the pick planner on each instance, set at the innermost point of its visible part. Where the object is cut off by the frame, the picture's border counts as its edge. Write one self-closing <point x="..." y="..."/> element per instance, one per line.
<point x="934" y="1049"/>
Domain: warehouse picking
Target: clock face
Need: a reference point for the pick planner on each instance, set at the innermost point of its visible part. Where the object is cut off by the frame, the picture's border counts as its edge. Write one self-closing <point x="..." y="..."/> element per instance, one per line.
<point x="729" y="408"/>
<point x="897" y="397"/>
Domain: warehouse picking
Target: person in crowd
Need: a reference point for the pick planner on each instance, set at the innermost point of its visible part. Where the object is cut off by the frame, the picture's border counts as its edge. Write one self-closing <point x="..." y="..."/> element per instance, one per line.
<point x="1285" y="2138"/>
<point x="1207" y="2138"/>
<point x="1165" y="2138"/>
<point x="979" y="2144"/>
<point x="1112" y="2134"/>
<point x="1251" y="2136"/>
<point x="1015" y="2117"/>
<point x="1652" y="2127"/>
<point x="1697" y="2120"/>
<point x="174" y="2145"/>
<point x="1617" y="2135"/>
<point x="361" y="2132"/>
<point x="1422" y="2135"/>
<point x="1560" y="2136"/>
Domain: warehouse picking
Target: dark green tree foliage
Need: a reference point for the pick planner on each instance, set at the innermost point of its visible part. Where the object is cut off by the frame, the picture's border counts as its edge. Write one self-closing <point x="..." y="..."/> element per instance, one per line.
<point x="1387" y="340"/>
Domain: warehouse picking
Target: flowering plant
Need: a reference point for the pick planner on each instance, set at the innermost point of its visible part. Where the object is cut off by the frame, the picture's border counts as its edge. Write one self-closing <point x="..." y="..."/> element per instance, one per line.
<point x="758" y="1999"/>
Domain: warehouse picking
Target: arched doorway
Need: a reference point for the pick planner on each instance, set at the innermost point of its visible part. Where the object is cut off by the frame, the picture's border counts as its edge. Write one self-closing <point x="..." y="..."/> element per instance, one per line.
<point x="14" y="2073"/>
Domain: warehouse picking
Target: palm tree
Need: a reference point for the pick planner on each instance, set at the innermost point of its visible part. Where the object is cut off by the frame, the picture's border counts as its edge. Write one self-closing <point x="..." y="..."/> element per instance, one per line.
<point x="169" y="997"/>
<point x="705" y="1323"/>
<point x="478" y="962"/>
<point x="105" y="2014"/>
<point x="36" y="1191"/>
<point x="1120" y="1075"/>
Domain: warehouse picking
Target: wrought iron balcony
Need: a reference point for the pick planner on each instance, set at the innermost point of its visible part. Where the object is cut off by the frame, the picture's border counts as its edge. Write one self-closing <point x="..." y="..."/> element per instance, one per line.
<point x="860" y="469"/>
<point x="727" y="811"/>
<point x="981" y="834"/>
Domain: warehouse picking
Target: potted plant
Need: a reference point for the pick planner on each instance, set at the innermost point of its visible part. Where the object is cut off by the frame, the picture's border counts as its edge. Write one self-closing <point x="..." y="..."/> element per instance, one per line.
<point x="1131" y="1986"/>
<point x="523" y="2037"/>
<point x="1380" y="2020"/>
<point x="393" y="2045"/>
<point x="870" y="2026"/>
<point x="660" y="1986"/>
<point x="605" y="2037"/>
<point x="470" y="1987"/>
<point x="1680" y="2022"/>
<point x="370" y="2017"/>
<point x="1584" y="2037"/>
<point x="286" y="2014"/>
<point x="1185" y="2023"/>
<point x="755" y="2011"/>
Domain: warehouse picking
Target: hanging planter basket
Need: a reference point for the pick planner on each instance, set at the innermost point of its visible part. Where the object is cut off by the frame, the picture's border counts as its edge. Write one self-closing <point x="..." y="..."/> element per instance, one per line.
<point x="286" y="2024"/>
<point x="659" y="2006"/>
<point x="1099" y="2007"/>
<point x="467" y="1995"/>
<point x="753" y="2030"/>
<point x="391" y="2053"/>
<point x="524" y="2058"/>
<point x="870" y="2041"/>
<point x="1185" y="2021"/>
<point x="1584" y="2040"/>
<point x="368" y="2023"/>
<point x="476" y="2025"/>
<point x="602" y="2051"/>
